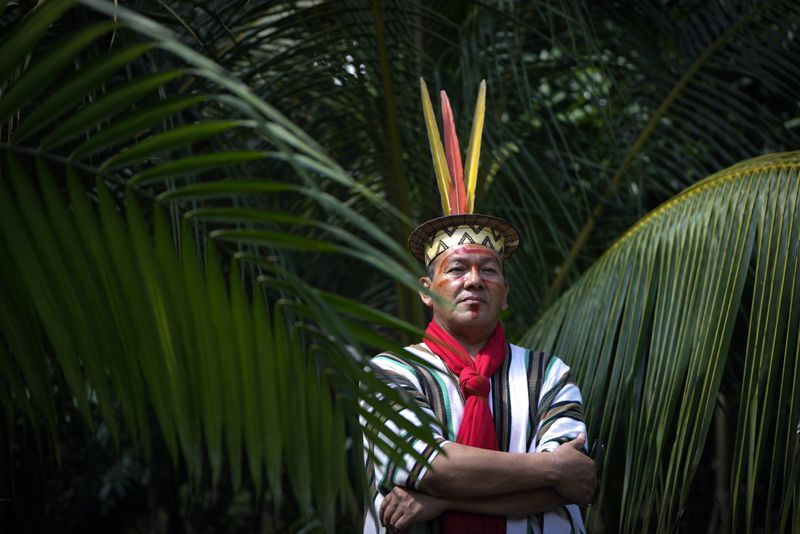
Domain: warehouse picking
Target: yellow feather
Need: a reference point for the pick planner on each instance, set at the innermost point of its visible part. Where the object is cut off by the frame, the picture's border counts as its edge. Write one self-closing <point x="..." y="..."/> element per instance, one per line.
<point x="474" y="150"/>
<point x="437" y="152"/>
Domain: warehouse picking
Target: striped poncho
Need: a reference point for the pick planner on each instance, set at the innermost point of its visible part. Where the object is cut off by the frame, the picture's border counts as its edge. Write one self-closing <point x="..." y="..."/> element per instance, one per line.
<point x="535" y="404"/>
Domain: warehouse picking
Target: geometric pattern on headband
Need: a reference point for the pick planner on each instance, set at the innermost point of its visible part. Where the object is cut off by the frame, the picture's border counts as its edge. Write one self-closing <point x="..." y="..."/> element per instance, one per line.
<point x="433" y="237"/>
<point x="456" y="235"/>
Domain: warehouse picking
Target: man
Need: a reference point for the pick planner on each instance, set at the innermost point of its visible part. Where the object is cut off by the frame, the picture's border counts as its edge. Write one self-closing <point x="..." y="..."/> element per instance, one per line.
<point x="510" y="429"/>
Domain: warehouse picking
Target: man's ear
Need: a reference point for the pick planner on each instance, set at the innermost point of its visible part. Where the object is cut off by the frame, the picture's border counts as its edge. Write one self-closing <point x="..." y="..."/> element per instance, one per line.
<point x="425" y="282"/>
<point x="505" y="297"/>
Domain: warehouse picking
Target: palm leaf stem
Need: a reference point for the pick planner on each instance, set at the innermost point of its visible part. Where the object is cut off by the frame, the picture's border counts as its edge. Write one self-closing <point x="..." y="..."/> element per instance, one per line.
<point x="408" y="306"/>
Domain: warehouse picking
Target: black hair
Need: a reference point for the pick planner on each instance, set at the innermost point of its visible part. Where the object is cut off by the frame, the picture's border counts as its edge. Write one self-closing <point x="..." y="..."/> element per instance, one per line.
<point x="429" y="269"/>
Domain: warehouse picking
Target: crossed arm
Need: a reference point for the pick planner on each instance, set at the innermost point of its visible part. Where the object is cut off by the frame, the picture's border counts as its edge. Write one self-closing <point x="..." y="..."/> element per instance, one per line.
<point x="463" y="478"/>
<point x="480" y="481"/>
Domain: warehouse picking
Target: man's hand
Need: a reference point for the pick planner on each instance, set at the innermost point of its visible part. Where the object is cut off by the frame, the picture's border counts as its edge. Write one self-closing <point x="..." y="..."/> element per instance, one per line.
<point x="403" y="507"/>
<point x="575" y="471"/>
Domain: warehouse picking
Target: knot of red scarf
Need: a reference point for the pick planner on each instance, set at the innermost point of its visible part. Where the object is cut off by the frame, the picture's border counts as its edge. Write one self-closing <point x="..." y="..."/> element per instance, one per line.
<point x="477" y="425"/>
<point x="473" y="383"/>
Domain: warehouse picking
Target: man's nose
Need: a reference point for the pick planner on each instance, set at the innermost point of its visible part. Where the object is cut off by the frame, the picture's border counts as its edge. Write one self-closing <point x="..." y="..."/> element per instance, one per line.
<point x="473" y="278"/>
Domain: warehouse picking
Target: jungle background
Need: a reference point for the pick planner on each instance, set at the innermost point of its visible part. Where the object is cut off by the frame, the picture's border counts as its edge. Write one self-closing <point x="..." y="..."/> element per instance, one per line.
<point x="203" y="215"/>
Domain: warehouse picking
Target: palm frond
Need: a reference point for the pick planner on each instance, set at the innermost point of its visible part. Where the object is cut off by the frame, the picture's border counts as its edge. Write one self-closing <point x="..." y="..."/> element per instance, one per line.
<point x="265" y="152"/>
<point x="648" y="331"/>
<point x="697" y="117"/>
<point x="152" y="305"/>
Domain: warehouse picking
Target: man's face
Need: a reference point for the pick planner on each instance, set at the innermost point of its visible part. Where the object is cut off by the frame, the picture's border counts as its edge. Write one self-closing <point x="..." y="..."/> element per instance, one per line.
<point x="470" y="278"/>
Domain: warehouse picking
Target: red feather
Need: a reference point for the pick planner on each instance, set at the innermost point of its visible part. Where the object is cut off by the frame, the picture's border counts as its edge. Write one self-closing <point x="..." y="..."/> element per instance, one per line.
<point x="457" y="193"/>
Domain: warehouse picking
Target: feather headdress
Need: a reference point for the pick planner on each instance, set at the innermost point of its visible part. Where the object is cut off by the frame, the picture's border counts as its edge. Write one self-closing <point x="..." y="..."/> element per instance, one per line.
<point x="457" y="189"/>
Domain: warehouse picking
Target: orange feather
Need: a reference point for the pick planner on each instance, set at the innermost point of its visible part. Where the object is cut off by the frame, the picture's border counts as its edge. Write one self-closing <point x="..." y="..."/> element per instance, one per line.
<point x="457" y="193"/>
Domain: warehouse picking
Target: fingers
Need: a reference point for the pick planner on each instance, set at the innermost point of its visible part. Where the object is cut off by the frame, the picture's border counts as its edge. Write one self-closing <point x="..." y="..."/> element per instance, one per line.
<point x="578" y="442"/>
<point x="402" y="523"/>
<point x="587" y="496"/>
<point x="593" y="489"/>
<point x="390" y="517"/>
<point x="382" y="511"/>
<point x="397" y="517"/>
<point x="578" y="473"/>
<point x="582" y="495"/>
<point x="387" y="507"/>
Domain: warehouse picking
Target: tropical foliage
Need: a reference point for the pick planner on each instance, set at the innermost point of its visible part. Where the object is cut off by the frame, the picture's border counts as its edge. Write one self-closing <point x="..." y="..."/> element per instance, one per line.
<point x="650" y="328"/>
<point x="204" y="208"/>
<point x="241" y="358"/>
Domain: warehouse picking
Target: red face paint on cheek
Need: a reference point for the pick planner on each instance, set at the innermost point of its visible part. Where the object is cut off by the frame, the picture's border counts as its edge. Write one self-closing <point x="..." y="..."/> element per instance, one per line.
<point x="440" y="267"/>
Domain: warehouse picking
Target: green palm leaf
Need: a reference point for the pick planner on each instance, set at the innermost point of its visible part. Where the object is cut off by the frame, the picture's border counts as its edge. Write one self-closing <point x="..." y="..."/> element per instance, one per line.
<point x="695" y="107"/>
<point x="594" y="116"/>
<point x="179" y="186"/>
<point x="648" y="330"/>
<point x="185" y="330"/>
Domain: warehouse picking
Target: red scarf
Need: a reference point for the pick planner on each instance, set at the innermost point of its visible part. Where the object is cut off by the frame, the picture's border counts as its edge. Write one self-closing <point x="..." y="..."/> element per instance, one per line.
<point x="477" y="426"/>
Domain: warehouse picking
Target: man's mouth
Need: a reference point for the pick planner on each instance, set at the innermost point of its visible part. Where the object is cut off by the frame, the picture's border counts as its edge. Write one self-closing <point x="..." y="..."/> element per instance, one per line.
<point x="471" y="300"/>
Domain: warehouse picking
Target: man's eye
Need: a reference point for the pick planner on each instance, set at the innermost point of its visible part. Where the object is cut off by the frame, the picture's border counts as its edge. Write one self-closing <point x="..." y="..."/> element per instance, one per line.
<point x="455" y="269"/>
